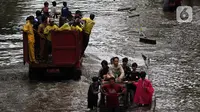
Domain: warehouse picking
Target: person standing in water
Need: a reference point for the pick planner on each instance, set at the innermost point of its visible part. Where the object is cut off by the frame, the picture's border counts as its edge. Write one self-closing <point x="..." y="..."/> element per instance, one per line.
<point x="133" y="76"/>
<point x="144" y="91"/>
<point x="93" y="93"/>
<point x="112" y="91"/>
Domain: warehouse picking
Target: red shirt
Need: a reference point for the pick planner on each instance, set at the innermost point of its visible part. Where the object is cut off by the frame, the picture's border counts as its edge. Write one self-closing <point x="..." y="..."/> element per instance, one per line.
<point x="112" y="97"/>
<point x="45" y="9"/>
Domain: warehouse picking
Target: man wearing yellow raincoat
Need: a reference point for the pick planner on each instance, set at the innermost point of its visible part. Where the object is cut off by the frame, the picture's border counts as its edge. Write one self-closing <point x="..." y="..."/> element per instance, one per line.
<point x="28" y="28"/>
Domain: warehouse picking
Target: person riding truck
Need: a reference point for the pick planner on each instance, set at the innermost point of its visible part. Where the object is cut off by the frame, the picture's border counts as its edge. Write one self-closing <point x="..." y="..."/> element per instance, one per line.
<point x="88" y="25"/>
<point x="54" y="12"/>
<point x="65" y="26"/>
<point x="28" y="29"/>
<point x="45" y="9"/>
<point x="41" y="28"/>
<point x="47" y="32"/>
<point x="65" y="13"/>
<point x="116" y="69"/>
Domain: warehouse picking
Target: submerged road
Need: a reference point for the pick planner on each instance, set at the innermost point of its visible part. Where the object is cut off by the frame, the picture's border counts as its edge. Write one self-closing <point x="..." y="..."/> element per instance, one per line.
<point x="174" y="60"/>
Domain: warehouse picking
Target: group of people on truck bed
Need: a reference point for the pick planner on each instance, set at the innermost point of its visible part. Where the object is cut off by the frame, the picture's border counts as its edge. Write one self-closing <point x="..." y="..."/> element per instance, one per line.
<point x="139" y="88"/>
<point x="38" y="29"/>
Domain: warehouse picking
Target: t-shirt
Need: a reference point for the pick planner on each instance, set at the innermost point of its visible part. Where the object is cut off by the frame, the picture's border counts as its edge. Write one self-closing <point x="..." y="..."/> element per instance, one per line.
<point x="112" y="91"/>
<point x="134" y="76"/>
<point x="53" y="10"/>
<point x="88" y="25"/>
<point x="45" y="11"/>
<point x="64" y="12"/>
<point x="117" y="71"/>
<point x="48" y="30"/>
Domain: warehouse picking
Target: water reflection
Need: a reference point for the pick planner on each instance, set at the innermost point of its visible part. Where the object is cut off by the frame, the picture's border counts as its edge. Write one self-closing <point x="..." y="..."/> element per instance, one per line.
<point x="9" y="14"/>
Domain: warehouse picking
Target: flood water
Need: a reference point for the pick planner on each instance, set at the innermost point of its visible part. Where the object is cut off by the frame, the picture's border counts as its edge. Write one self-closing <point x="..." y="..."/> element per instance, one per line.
<point x="174" y="60"/>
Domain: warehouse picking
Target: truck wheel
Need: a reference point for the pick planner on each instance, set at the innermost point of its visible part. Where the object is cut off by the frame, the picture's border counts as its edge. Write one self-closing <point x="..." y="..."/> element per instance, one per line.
<point x="32" y="74"/>
<point x="67" y="73"/>
<point x="77" y="74"/>
<point x="36" y="73"/>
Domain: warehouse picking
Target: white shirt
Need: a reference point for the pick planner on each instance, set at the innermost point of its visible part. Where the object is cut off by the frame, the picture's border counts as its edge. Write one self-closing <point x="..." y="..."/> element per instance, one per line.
<point x="53" y="10"/>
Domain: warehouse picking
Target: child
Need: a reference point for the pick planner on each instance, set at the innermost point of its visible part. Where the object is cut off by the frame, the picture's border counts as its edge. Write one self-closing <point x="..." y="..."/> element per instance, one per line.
<point x="64" y="10"/>
<point x="111" y="60"/>
<point x="126" y="68"/>
<point x="135" y="75"/>
<point x="104" y="71"/>
<point x="45" y="9"/>
<point x="54" y="12"/>
<point x="93" y="93"/>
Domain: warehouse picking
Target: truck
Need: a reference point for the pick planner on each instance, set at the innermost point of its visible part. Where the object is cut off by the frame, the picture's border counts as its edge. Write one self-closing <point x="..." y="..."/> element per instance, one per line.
<point x="66" y="56"/>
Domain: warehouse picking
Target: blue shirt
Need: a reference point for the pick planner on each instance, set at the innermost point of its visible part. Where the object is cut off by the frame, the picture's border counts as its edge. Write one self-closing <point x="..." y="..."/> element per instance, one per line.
<point x="65" y="12"/>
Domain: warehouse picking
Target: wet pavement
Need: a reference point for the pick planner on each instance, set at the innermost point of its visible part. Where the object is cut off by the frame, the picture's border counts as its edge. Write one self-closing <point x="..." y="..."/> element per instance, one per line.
<point x="174" y="60"/>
